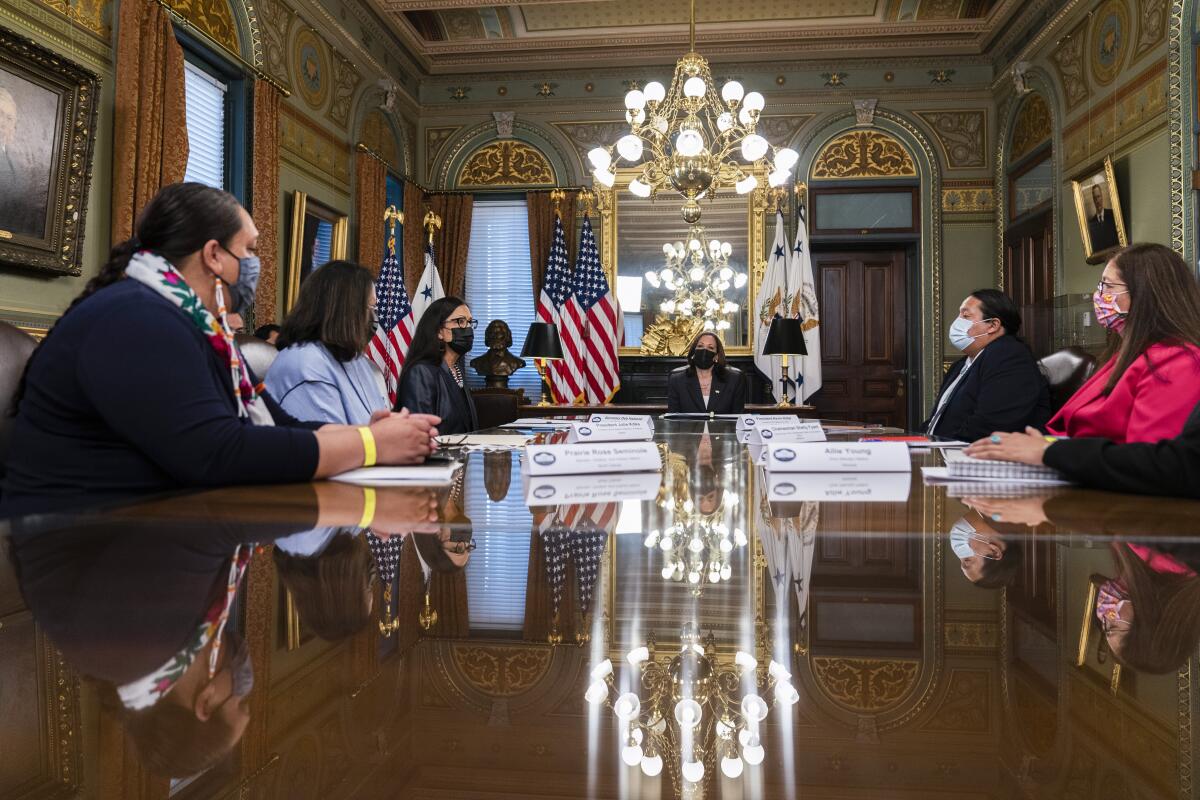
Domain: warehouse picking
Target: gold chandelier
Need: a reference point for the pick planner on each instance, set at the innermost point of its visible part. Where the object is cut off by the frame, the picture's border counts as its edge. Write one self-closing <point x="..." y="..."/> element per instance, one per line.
<point x="693" y="139"/>
<point x="698" y="274"/>
<point x="694" y="712"/>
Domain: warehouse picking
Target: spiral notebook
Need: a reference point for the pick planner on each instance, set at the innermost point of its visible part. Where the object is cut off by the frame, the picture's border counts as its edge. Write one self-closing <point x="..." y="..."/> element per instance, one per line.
<point x="961" y="466"/>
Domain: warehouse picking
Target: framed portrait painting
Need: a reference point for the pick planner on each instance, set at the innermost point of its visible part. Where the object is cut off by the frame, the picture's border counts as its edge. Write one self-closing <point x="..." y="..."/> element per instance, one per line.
<point x="48" y="109"/>
<point x="1099" y="211"/>
<point x="319" y="235"/>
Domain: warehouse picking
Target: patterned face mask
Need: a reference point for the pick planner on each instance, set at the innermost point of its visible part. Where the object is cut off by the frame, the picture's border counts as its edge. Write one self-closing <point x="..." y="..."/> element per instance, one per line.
<point x="1108" y="313"/>
<point x="1109" y="599"/>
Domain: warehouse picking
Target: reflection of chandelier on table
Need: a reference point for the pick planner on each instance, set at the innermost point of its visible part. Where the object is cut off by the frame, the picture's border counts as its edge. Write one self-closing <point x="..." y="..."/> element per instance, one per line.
<point x="692" y="715"/>
<point x="699" y="274"/>
<point x="689" y="138"/>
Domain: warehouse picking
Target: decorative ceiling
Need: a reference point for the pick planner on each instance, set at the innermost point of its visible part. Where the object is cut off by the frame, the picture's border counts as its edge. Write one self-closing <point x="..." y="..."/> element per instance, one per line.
<point x="473" y="35"/>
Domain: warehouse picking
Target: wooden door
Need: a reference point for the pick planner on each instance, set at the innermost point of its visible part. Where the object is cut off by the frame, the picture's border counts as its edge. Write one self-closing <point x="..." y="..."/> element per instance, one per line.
<point x="1029" y="276"/>
<point x="864" y="345"/>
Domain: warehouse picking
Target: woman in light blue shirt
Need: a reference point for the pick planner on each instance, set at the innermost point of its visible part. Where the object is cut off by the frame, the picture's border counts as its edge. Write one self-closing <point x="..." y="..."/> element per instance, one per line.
<point x="321" y="374"/>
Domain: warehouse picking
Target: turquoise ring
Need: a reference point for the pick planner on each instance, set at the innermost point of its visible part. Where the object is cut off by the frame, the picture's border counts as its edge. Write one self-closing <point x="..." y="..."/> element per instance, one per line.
<point x="995" y="438"/>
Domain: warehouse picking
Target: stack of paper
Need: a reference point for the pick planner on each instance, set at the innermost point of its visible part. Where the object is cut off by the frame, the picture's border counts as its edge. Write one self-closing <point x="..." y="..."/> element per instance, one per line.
<point x="439" y="474"/>
<point x="962" y="467"/>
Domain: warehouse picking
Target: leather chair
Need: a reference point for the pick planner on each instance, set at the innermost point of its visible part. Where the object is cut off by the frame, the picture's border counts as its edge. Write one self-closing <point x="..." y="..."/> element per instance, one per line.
<point x="259" y="355"/>
<point x="1065" y="371"/>
<point x="15" y="349"/>
<point x="496" y="406"/>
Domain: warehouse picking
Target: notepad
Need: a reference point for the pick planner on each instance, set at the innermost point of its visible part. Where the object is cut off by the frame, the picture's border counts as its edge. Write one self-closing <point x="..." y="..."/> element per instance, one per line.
<point x="483" y="441"/>
<point x="417" y="475"/>
<point x="959" y="465"/>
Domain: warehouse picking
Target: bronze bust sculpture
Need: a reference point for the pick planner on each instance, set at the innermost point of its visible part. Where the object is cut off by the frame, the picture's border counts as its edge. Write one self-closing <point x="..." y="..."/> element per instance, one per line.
<point x="497" y="364"/>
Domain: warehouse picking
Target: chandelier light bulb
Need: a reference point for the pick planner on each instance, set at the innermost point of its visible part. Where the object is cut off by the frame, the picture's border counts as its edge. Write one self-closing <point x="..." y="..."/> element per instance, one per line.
<point x="714" y="577"/>
<point x="754" y="147"/>
<point x="693" y="577"/>
<point x="627" y="706"/>
<point x="724" y="729"/>
<point x="786" y="694"/>
<point x="694" y="87"/>
<point x="596" y="693"/>
<point x="745" y="117"/>
<point x="652" y="279"/>
<point x="754" y="755"/>
<point x="723" y="325"/>
<point x="778" y="671"/>
<point x="693" y="771"/>
<point x="726" y="273"/>
<point x="709" y="326"/>
<point x="668" y="570"/>
<point x="739" y="537"/>
<point x="724" y="121"/>
<point x="600" y="158"/>
<point x="654" y="92"/>
<point x="602" y="670"/>
<point x="786" y="158"/>
<point x="635" y="100"/>
<point x="745" y="660"/>
<point x="710" y="305"/>
<point x="689" y="143"/>
<point x="652" y="765"/>
<point x="714" y="247"/>
<point x="726" y="545"/>
<point x="732" y="92"/>
<point x="668" y="250"/>
<point x="651" y="539"/>
<point x="679" y="249"/>
<point x="726" y="572"/>
<point x="732" y="767"/>
<point x="778" y="178"/>
<point x="726" y="249"/>
<point x="604" y="177"/>
<point x="638" y="655"/>
<point x="661" y="124"/>
<point x="747" y="737"/>
<point x="693" y="245"/>
<point x="667" y="274"/>
<point x="695" y="545"/>
<point x="668" y="543"/>
<point x="746" y="185"/>
<point x="696" y="274"/>
<point x="631" y="755"/>
<point x="630" y="147"/>
<point x="638" y="188"/>
<point x="688" y="713"/>
<point x="730" y="307"/>
<point x="754" y="708"/>
<point x="754" y="102"/>
<point x="739" y="280"/>
<point x="635" y="117"/>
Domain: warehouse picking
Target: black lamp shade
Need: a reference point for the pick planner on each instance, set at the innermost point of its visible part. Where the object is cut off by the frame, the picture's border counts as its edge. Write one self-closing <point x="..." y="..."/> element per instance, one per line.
<point x="786" y="337"/>
<point x="542" y="341"/>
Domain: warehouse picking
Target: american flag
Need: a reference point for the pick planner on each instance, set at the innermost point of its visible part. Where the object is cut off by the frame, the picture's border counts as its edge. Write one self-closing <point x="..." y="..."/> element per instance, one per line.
<point x="592" y="310"/>
<point x="565" y="382"/>
<point x="577" y="533"/>
<point x="389" y="345"/>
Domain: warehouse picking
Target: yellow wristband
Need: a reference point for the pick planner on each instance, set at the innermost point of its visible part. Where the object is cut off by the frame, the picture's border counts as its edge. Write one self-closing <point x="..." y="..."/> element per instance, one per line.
<point x="368" y="507"/>
<point x="368" y="440"/>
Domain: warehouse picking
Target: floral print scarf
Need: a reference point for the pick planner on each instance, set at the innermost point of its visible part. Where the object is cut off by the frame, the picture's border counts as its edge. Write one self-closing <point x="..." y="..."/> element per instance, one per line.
<point x="159" y="274"/>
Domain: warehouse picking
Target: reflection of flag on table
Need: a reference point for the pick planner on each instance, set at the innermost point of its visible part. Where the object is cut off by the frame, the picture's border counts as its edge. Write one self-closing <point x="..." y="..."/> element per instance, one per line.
<point x="566" y="384"/>
<point x="386" y="550"/>
<point x="788" y="547"/>
<point x="592" y="309"/>
<point x="580" y="534"/>
<point x="389" y="345"/>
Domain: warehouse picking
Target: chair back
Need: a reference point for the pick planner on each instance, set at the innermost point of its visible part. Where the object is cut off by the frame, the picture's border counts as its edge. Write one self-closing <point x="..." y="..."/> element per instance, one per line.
<point x="15" y="349"/>
<point x="495" y="406"/>
<point x="259" y="355"/>
<point x="1065" y="371"/>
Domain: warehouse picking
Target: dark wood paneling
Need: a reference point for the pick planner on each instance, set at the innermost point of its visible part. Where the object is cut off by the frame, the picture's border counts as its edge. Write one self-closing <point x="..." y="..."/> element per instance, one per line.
<point x="1029" y="276"/>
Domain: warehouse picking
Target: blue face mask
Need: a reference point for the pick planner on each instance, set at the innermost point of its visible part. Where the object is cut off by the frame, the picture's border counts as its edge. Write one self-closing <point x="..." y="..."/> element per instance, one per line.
<point x="960" y="335"/>
<point x="246" y="286"/>
<point x="960" y="540"/>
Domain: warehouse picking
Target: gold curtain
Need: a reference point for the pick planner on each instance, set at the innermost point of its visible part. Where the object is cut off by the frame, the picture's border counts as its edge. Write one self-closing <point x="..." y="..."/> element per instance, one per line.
<point x="150" y="141"/>
<point x="451" y="242"/>
<point x="414" y="235"/>
<point x="410" y="598"/>
<point x="448" y="596"/>
<point x="371" y="198"/>
<point x="264" y="198"/>
<point x="541" y="232"/>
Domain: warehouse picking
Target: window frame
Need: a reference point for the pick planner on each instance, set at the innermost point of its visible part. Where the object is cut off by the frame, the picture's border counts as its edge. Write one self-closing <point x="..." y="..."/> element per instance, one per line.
<point x="238" y="102"/>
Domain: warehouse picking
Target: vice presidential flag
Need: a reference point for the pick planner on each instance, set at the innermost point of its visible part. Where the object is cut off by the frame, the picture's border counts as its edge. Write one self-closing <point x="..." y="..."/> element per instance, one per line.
<point x="804" y="307"/>
<point x="394" y="332"/>
<point x="774" y="300"/>
<point x="430" y="286"/>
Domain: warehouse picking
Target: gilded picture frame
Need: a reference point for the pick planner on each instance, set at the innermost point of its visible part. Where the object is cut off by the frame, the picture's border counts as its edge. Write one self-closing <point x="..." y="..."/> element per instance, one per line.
<point x="614" y="202"/>
<point x="1088" y="627"/>
<point x="1098" y="209"/>
<point x="48" y="117"/>
<point x="312" y="222"/>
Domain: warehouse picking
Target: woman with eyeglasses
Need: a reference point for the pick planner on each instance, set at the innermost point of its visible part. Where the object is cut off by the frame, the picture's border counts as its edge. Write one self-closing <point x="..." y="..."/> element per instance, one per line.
<point x="321" y="373"/>
<point x="433" y="380"/>
<point x="1150" y="300"/>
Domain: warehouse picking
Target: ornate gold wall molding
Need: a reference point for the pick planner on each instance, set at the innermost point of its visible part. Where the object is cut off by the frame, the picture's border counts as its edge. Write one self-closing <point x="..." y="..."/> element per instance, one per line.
<point x="966" y="705"/>
<point x="961" y="135"/>
<point x="214" y="18"/>
<point x="1140" y="103"/>
<point x="973" y="199"/>
<point x="277" y="18"/>
<point x="310" y="64"/>
<point x="1068" y="60"/>
<point x="312" y="149"/>
<point x="345" y="80"/>
<point x="865" y="685"/>
<point x="1110" y="35"/>
<point x="1152" y="27"/>
<point x="1032" y="128"/>
<point x="502" y="671"/>
<point x="971" y="635"/>
<point x="377" y="134"/>
<point x="435" y="140"/>
<point x="508" y="162"/>
<point x="91" y="15"/>
<point x="864" y="154"/>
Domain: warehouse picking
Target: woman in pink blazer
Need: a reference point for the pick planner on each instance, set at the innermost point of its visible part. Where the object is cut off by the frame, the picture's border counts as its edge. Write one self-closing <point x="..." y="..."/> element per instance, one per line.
<point x="1150" y="384"/>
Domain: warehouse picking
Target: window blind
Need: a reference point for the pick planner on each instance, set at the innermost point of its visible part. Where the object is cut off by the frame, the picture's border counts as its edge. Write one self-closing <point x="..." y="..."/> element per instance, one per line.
<point x="323" y="245"/>
<point x="499" y="284"/>
<point x="205" y="99"/>
<point x="499" y="568"/>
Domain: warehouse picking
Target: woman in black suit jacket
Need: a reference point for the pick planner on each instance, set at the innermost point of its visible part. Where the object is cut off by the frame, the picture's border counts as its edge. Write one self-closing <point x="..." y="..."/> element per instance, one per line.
<point x="433" y="380"/>
<point x="707" y="385"/>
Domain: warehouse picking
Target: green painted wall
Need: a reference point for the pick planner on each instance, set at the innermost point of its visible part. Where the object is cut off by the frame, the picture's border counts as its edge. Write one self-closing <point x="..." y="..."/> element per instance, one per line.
<point x="967" y="264"/>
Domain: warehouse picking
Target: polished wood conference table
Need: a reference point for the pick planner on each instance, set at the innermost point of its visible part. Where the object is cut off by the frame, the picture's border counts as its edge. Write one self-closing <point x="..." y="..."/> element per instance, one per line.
<point x="390" y="664"/>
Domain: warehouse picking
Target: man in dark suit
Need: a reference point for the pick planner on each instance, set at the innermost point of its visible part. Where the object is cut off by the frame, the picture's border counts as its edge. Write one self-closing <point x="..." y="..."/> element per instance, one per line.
<point x="1102" y="228"/>
<point x="1170" y="467"/>
<point x="997" y="385"/>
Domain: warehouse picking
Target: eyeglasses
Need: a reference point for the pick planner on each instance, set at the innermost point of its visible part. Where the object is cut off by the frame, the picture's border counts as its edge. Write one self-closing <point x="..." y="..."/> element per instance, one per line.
<point x="1105" y="286"/>
<point x="462" y="322"/>
<point x="458" y="548"/>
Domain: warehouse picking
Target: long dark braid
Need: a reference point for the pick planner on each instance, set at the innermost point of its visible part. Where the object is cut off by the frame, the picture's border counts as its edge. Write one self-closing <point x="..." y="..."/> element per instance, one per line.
<point x="175" y="223"/>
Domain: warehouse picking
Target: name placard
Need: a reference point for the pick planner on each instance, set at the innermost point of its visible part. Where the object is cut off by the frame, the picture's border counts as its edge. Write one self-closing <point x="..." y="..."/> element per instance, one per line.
<point x="787" y="429"/>
<point x="611" y="430"/>
<point x="644" y="419"/>
<point x="557" y="490"/>
<point x="745" y="421"/>
<point x="838" y="457"/>
<point x="587" y="459"/>
<point x="839" y="487"/>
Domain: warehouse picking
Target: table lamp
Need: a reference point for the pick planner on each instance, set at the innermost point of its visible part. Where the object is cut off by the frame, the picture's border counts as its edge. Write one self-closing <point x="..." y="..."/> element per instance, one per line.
<point x="785" y="337"/>
<point x="542" y="344"/>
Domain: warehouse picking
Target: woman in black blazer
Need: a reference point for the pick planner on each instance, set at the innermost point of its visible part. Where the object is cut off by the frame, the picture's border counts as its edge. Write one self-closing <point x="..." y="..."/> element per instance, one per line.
<point x="433" y="380"/>
<point x="707" y="385"/>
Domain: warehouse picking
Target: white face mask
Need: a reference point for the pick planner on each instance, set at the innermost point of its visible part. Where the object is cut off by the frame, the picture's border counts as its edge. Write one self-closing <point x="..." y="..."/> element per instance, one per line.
<point x="960" y="540"/>
<point x="960" y="335"/>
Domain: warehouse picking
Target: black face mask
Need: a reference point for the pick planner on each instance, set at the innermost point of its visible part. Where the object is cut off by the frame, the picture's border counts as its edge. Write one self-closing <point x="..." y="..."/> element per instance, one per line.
<point x="463" y="340"/>
<point x="704" y="359"/>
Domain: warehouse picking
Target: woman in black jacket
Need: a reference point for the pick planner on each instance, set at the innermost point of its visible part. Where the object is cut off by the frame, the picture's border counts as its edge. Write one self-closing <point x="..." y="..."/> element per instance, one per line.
<point x="707" y="385"/>
<point x="434" y="380"/>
